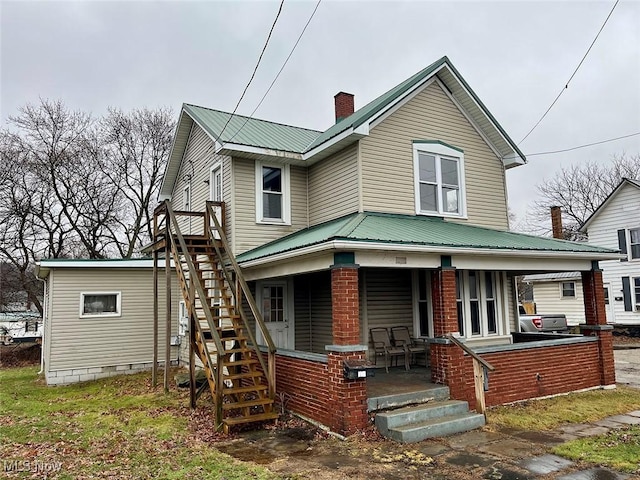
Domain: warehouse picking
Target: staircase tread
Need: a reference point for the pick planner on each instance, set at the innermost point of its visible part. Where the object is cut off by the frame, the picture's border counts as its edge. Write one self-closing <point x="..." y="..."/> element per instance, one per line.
<point x="436" y="421"/>
<point x="423" y="406"/>
<point x="249" y="389"/>
<point x="250" y="403"/>
<point x="243" y="375"/>
<point x="251" y="418"/>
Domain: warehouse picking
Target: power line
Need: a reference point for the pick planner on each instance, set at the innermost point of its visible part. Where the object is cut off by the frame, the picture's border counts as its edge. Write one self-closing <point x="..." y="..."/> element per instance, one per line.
<point x="280" y="71"/>
<point x="572" y="75"/>
<point x="582" y="146"/>
<point x="254" y="70"/>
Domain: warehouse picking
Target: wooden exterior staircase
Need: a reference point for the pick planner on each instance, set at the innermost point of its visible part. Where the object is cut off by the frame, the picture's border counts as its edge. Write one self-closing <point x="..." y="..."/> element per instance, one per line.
<point x="241" y="383"/>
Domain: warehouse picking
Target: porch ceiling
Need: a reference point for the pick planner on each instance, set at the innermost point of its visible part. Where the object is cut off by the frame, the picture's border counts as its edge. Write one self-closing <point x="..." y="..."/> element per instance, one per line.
<point x="382" y="231"/>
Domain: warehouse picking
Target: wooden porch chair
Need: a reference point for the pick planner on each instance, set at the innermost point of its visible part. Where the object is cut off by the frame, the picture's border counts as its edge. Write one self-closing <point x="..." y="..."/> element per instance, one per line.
<point x="382" y="346"/>
<point x="403" y="339"/>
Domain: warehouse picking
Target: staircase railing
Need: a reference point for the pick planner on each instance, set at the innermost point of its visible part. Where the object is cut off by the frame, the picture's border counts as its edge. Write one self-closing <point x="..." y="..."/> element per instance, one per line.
<point x="479" y="366"/>
<point x="199" y="290"/>
<point x="244" y="287"/>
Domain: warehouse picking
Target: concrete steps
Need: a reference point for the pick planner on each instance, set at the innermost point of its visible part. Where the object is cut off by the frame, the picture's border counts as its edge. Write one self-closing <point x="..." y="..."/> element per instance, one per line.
<point x="427" y="420"/>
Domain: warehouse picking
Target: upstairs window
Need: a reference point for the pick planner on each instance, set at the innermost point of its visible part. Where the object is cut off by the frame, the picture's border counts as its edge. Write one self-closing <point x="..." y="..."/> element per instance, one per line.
<point x="634" y="243"/>
<point x="272" y="193"/>
<point x="439" y="183"/>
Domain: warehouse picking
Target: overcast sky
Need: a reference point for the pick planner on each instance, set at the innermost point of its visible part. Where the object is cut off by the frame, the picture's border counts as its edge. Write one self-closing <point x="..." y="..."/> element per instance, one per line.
<point x="515" y="55"/>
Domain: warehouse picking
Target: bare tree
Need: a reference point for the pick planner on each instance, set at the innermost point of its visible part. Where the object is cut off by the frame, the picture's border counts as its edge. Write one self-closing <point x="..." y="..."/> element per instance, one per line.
<point x="579" y="190"/>
<point x="137" y="146"/>
<point x="75" y="187"/>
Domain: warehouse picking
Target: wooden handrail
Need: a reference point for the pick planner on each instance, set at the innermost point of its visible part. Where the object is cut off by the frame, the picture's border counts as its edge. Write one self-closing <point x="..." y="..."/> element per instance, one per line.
<point x="478" y="372"/>
<point x="473" y="354"/>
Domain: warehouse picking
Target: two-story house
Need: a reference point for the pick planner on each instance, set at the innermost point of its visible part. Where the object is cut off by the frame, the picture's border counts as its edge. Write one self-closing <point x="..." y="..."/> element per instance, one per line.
<point x="396" y="215"/>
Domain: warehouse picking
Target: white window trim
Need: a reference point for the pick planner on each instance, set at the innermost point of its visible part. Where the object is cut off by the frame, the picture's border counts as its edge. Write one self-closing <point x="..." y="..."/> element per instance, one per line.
<point x="634" y="300"/>
<point x="568" y="297"/>
<point x="214" y="167"/>
<point x="444" y="151"/>
<point x="286" y="195"/>
<point x="416" y="307"/>
<point x="117" y="313"/>
<point x="186" y="198"/>
<point x="500" y="292"/>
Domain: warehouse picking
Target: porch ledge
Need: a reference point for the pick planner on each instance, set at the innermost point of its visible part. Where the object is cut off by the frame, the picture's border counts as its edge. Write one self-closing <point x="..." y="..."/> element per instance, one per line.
<point x="596" y="327"/>
<point x="536" y="344"/>
<point x="346" y="348"/>
<point x="302" y="355"/>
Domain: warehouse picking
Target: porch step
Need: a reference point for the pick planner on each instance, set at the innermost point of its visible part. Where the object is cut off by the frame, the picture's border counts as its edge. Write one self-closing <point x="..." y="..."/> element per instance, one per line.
<point x="419" y="413"/>
<point x="436" y="427"/>
<point x="396" y="400"/>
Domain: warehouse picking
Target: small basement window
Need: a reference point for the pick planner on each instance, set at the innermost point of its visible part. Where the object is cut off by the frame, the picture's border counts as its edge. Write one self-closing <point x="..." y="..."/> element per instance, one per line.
<point x="100" y="304"/>
<point x="568" y="289"/>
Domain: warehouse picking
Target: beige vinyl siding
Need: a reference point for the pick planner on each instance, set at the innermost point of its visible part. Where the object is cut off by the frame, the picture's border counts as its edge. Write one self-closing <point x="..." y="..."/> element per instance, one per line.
<point x="548" y="299"/>
<point x="313" y="316"/>
<point x="195" y="171"/>
<point x="387" y="159"/>
<point x="333" y="186"/>
<point x="106" y="341"/>
<point x="250" y="234"/>
<point x="389" y="298"/>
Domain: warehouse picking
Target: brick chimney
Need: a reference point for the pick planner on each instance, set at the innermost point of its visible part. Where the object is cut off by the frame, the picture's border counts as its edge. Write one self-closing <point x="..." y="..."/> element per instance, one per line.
<point x="344" y="105"/>
<point x="556" y="223"/>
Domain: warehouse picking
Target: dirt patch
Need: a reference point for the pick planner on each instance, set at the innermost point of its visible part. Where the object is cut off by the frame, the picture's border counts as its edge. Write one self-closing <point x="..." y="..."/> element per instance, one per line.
<point x="19" y="355"/>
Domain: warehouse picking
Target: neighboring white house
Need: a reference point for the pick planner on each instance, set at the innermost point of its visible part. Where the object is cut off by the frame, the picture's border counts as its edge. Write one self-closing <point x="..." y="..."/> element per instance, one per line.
<point x="558" y="293"/>
<point x="98" y="318"/>
<point x="614" y="224"/>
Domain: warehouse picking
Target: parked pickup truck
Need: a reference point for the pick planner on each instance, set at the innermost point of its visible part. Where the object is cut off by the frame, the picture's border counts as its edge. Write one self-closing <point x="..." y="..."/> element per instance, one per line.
<point x="542" y="323"/>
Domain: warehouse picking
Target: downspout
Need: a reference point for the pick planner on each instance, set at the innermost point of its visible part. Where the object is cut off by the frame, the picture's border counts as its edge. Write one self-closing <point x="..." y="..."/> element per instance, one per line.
<point x="44" y="320"/>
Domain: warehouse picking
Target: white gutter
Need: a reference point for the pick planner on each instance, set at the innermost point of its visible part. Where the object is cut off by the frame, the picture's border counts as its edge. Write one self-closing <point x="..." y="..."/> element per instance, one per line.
<point x="360" y="245"/>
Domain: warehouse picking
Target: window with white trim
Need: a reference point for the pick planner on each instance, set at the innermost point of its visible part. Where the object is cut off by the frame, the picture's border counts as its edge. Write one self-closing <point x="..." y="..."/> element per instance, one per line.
<point x="636" y="290"/>
<point x="272" y="193"/>
<point x="568" y="289"/>
<point x="634" y="243"/>
<point x="186" y="198"/>
<point x="439" y="179"/>
<point x="479" y="300"/>
<point x="100" y="304"/>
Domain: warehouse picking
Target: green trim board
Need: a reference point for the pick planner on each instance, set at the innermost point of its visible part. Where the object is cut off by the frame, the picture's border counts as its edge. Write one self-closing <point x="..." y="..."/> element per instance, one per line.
<point x="403" y="230"/>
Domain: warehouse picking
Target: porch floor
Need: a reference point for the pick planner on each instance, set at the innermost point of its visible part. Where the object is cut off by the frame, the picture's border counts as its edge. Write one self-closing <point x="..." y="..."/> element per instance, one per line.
<point x="402" y="387"/>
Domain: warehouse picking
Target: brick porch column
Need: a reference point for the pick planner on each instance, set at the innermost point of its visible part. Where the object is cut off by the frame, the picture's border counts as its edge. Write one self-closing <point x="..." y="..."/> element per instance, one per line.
<point x="596" y="322"/>
<point x="447" y="360"/>
<point x="348" y="408"/>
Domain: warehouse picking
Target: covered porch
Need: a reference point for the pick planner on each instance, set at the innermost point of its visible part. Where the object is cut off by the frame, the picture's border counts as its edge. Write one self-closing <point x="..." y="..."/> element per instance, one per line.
<point x="323" y="291"/>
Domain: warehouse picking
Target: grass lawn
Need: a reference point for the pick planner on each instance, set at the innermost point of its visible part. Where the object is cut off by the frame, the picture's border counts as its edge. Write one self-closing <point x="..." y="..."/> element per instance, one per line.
<point x="111" y="428"/>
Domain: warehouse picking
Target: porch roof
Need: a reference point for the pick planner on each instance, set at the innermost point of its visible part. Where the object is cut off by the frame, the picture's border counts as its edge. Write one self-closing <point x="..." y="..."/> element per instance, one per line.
<point x="407" y="230"/>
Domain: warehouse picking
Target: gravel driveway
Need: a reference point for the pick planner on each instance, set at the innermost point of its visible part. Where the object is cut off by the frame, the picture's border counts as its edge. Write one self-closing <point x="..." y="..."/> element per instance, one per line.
<point x="628" y="366"/>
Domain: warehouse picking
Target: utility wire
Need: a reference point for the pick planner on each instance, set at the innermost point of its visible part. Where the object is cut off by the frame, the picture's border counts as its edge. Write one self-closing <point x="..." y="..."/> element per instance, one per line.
<point x="572" y="75"/>
<point x="582" y="146"/>
<point x="279" y="72"/>
<point x="254" y="70"/>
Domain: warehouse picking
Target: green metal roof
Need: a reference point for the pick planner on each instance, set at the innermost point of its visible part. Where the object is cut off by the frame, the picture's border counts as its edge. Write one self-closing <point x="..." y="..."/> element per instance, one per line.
<point x="363" y="114"/>
<point x="255" y="133"/>
<point x="396" y="229"/>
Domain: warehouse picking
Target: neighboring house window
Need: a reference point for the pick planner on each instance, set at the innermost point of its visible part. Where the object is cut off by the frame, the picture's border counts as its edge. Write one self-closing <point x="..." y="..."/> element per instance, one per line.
<point x="568" y="289"/>
<point x="636" y="289"/>
<point x="634" y="242"/>
<point x="423" y="303"/>
<point x="186" y="199"/>
<point x="478" y="300"/>
<point x="439" y="182"/>
<point x="100" y="304"/>
<point x="272" y="193"/>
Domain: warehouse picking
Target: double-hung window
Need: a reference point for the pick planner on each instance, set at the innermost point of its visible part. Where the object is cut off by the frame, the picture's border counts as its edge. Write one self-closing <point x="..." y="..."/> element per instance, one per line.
<point x="568" y="289"/>
<point x="634" y="243"/>
<point x="439" y="179"/>
<point x="272" y="193"/>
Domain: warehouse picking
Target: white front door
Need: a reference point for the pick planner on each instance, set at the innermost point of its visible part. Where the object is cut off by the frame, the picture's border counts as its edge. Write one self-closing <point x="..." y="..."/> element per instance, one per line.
<point x="273" y="300"/>
<point x="610" y="309"/>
